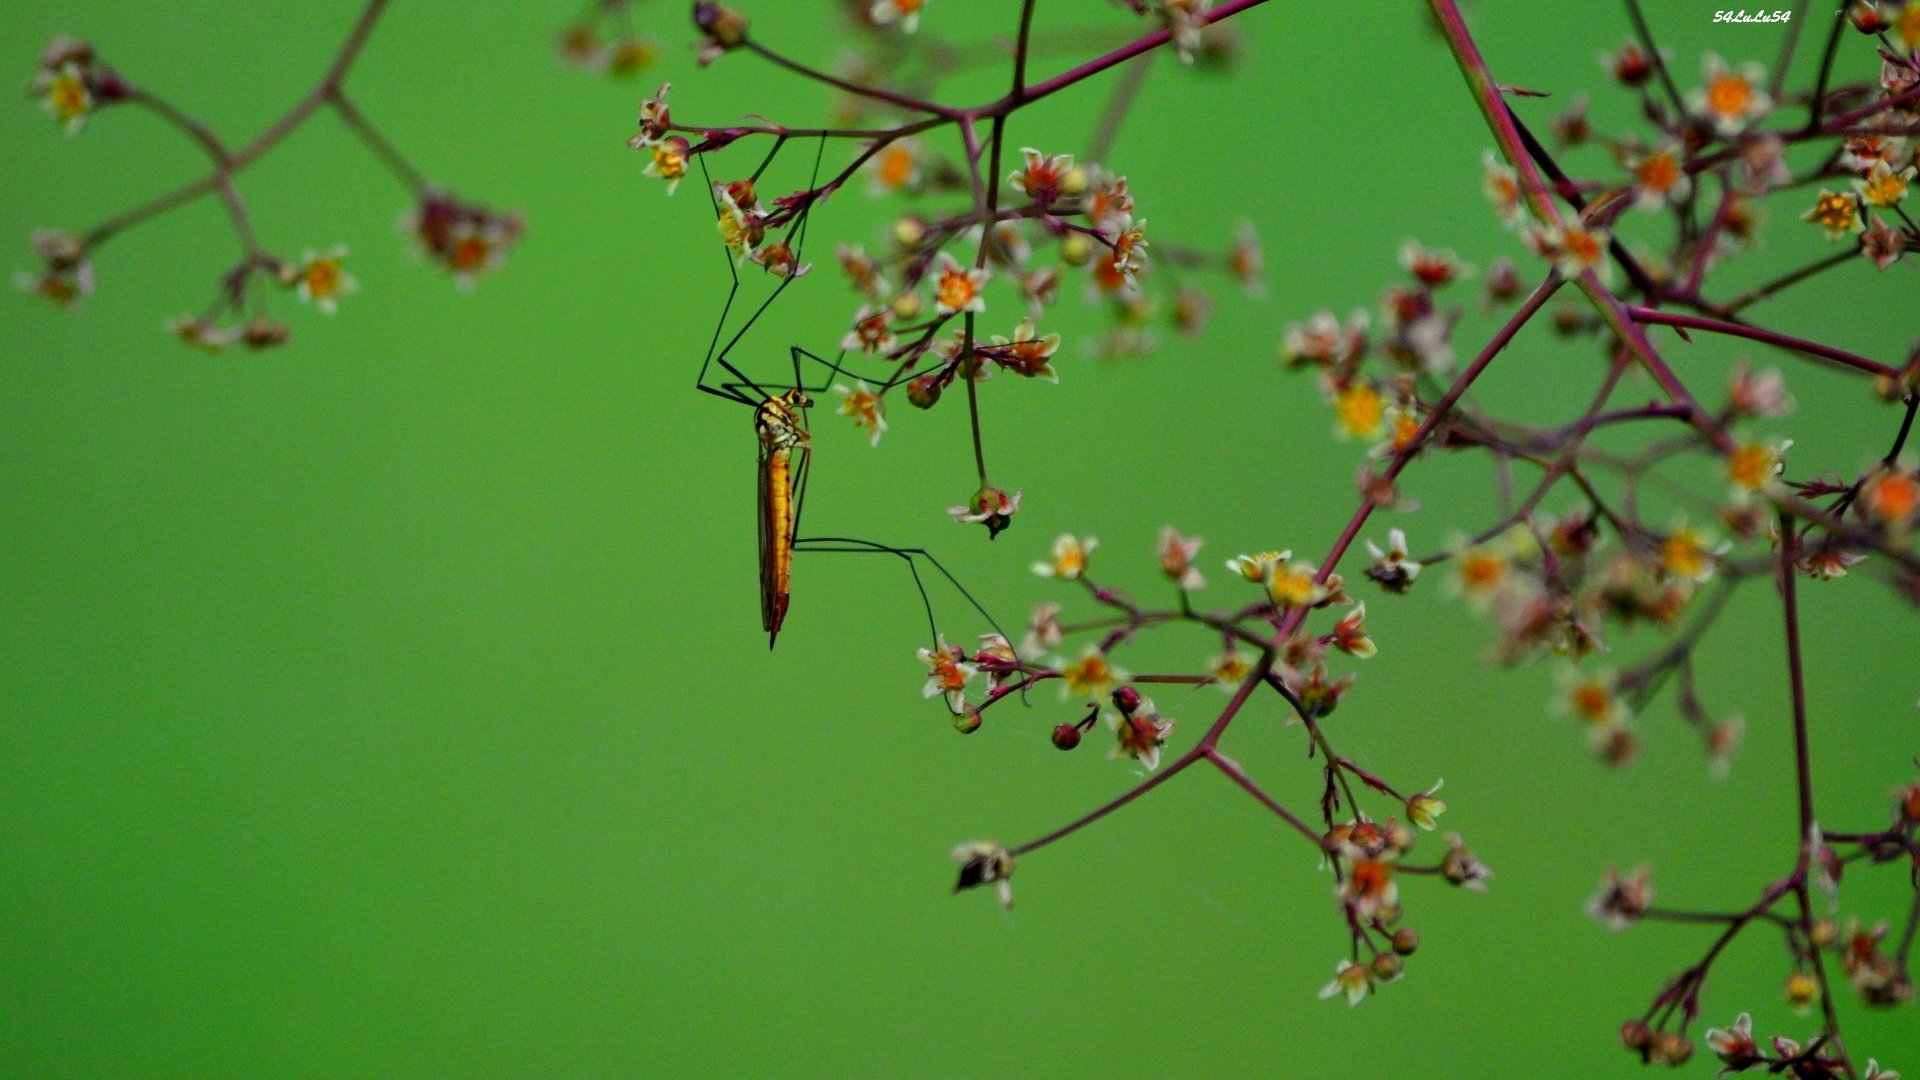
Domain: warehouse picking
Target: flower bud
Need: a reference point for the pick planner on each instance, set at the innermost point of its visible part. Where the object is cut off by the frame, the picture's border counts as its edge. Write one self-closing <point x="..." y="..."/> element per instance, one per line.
<point x="1076" y="249"/>
<point x="1066" y="736"/>
<point x="1387" y="966"/>
<point x="1824" y="932"/>
<point x="968" y="722"/>
<point x="909" y="231"/>
<point x="1405" y="941"/>
<point x="906" y="306"/>
<point x="1802" y="989"/>
<point x="1399" y="838"/>
<point x="1631" y="65"/>
<point x="1866" y="17"/>
<point x="724" y="26"/>
<point x="1126" y="699"/>
<point x="1073" y="182"/>
<point x="1672" y="1048"/>
<point x="264" y="333"/>
<point x="1635" y="1036"/>
<point x="923" y="391"/>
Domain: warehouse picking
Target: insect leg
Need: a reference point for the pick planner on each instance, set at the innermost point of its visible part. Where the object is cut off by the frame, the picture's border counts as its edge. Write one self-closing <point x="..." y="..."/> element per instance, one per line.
<point x="853" y="545"/>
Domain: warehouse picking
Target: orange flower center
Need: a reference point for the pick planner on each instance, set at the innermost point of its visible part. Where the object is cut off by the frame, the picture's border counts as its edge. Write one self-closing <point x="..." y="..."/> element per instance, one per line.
<point x="1729" y="95"/>
<point x="1087" y="674"/>
<point x="323" y="277"/>
<point x="1659" y="173"/>
<point x="1593" y="702"/>
<point x="956" y="289"/>
<point x="470" y="253"/>
<point x="1908" y="25"/>
<point x="1583" y="246"/>
<point x="949" y="673"/>
<point x="1894" y="497"/>
<point x="1369" y="878"/>
<point x="1481" y="571"/>
<point x="895" y="169"/>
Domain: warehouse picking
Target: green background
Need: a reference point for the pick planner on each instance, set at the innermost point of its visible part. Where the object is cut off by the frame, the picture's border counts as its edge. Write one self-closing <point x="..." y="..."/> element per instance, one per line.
<point x="393" y="704"/>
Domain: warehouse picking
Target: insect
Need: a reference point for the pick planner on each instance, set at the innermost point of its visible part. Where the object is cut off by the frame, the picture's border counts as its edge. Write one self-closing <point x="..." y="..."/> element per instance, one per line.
<point x="785" y="451"/>
<point x="780" y="423"/>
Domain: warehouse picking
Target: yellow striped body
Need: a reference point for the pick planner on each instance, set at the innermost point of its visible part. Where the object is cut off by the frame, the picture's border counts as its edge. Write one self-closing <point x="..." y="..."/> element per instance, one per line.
<point x="781" y="430"/>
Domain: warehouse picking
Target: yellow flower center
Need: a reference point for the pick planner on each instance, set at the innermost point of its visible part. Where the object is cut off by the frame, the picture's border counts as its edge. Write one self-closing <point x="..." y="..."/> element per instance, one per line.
<point x="1885" y="187"/>
<point x="1751" y="465"/>
<point x="1835" y="212"/>
<point x="1292" y="587"/>
<point x="1907" y="25"/>
<point x="671" y="163"/>
<point x="1360" y="410"/>
<point x="1684" y="555"/>
<point x="1232" y="668"/>
<point x="630" y="56"/>
<point x="69" y="98"/>
<point x="1088" y="675"/>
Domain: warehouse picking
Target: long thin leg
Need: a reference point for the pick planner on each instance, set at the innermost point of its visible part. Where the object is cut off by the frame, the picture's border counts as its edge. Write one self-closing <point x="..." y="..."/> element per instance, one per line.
<point x="742" y="388"/>
<point x="833" y="369"/>
<point x="854" y="545"/>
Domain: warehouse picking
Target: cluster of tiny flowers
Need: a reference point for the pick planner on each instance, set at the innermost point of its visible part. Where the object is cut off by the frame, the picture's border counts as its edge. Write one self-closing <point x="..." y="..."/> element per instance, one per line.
<point x="464" y="239"/>
<point x="1739" y="1051"/>
<point x="1882" y="153"/>
<point x="1372" y="385"/>
<point x="1729" y="104"/>
<point x="65" y="276"/>
<point x="1364" y="855"/>
<point x="317" y="278"/>
<point x="71" y="83"/>
<point x="603" y="40"/>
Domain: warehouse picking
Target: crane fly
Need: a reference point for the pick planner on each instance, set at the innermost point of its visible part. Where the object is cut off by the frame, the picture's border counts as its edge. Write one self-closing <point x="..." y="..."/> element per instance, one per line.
<point x="780" y="423"/>
<point x="785" y="445"/>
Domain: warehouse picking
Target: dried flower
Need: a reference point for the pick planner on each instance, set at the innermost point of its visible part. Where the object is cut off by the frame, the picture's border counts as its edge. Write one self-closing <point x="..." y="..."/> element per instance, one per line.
<point x="983" y="862"/>
<point x="1176" y="554"/>
<point x="1622" y="901"/>
<point x="1140" y="734"/>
